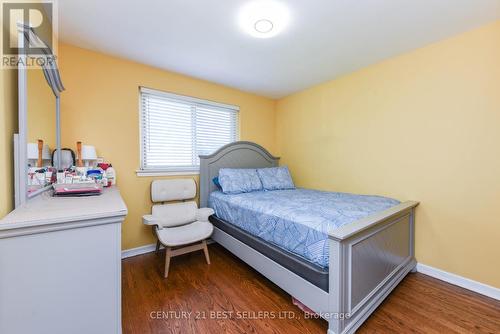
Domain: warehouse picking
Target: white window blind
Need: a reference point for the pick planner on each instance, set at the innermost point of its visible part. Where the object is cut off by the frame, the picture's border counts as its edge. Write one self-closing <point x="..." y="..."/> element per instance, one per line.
<point x="176" y="129"/>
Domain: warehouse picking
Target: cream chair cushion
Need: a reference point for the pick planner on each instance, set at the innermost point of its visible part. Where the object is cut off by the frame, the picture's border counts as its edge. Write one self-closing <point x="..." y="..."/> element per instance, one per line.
<point x="185" y="234"/>
<point x="175" y="214"/>
<point x="172" y="190"/>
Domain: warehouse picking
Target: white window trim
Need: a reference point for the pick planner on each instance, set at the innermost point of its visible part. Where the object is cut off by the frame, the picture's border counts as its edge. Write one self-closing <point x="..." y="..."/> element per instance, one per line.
<point x="180" y="170"/>
<point x="160" y="172"/>
<point x="188" y="99"/>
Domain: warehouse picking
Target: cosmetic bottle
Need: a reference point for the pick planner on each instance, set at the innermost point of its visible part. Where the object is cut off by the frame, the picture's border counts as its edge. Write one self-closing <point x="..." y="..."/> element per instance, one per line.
<point x="111" y="175"/>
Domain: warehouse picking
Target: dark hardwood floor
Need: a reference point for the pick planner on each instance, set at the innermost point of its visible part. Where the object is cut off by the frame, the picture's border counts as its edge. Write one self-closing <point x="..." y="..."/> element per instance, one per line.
<point x="230" y="297"/>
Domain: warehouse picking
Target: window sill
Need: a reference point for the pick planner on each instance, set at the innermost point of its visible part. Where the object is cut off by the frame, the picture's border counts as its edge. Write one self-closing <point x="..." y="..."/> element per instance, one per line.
<point x="141" y="172"/>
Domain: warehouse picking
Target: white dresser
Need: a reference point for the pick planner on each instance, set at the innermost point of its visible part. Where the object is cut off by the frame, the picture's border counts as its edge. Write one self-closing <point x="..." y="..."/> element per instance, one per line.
<point x="60" y="265"/>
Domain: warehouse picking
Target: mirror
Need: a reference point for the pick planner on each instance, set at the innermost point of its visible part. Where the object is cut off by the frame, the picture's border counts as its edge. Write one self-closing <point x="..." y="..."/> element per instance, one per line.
<point x="41" y="129"/>
<point x="39" y="134"/>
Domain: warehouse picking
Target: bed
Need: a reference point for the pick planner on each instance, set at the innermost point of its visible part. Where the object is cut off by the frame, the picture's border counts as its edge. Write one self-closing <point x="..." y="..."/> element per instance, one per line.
<point x="339" y="254"/>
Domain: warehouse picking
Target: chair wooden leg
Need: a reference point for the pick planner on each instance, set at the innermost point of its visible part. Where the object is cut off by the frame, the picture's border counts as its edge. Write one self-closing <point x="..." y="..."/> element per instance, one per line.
<point x="205" y="250"/>
<point x="157" y="246"/>
<point x="168" y="255"/>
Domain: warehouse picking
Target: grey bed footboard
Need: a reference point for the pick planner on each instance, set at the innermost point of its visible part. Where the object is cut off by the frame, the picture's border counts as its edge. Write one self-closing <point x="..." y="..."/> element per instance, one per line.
<point x="371" y="256"/>
<point x="368" y="258"/>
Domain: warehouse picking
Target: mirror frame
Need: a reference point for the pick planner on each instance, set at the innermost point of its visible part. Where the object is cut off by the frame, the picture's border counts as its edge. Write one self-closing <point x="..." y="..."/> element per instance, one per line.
<point x="20" y="139"/>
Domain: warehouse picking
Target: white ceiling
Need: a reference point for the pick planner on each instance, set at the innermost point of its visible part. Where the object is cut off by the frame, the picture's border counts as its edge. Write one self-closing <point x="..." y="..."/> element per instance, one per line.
<point x="325" y="38"/>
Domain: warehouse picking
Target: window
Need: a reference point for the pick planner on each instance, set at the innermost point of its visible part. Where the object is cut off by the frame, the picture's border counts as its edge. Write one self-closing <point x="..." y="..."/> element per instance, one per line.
<point x="176" y="129"/>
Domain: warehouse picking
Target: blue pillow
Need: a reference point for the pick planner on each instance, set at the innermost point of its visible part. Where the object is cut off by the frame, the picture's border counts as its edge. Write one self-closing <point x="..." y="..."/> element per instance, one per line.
<point x="236" y="181"/>
<point x="215" y="180"/>
<point x="276" y="178"/>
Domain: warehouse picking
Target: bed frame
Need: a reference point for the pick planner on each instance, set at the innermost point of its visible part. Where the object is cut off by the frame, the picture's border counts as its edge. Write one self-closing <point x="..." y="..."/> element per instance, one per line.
<point x="368" y="258"/>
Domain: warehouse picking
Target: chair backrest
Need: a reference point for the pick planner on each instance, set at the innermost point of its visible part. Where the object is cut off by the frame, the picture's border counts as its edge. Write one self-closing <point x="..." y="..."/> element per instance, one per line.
<point x="172" y="190"/>
<point x="174" y="214"/>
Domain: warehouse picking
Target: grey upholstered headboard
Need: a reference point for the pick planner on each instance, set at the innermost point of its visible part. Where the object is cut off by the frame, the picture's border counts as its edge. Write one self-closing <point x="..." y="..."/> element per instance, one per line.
<point x="240" y="154"/>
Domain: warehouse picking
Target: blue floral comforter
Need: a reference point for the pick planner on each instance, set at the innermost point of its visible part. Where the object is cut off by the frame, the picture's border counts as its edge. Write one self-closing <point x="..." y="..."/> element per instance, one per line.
<point x="296" y="220"/>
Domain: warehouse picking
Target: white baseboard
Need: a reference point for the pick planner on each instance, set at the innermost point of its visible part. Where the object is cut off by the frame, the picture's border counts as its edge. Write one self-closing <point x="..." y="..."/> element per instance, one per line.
<point x="460" y="281"/>
<point x="146" y="249"/>
<point x="138" y="250"/>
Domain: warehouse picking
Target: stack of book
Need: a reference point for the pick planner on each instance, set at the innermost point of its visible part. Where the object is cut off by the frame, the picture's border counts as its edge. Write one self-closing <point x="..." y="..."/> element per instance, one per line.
<point x="77" y="189"/>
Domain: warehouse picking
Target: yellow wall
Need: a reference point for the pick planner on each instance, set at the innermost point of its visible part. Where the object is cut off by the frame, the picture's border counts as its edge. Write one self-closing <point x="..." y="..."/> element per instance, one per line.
<point x="100" y="107"/>
<point x="423" y="126"/>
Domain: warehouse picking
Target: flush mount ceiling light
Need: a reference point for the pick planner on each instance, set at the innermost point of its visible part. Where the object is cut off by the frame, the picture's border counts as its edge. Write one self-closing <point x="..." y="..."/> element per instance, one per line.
<point x="264" y="26"/>
<point x="263" y="18"/>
